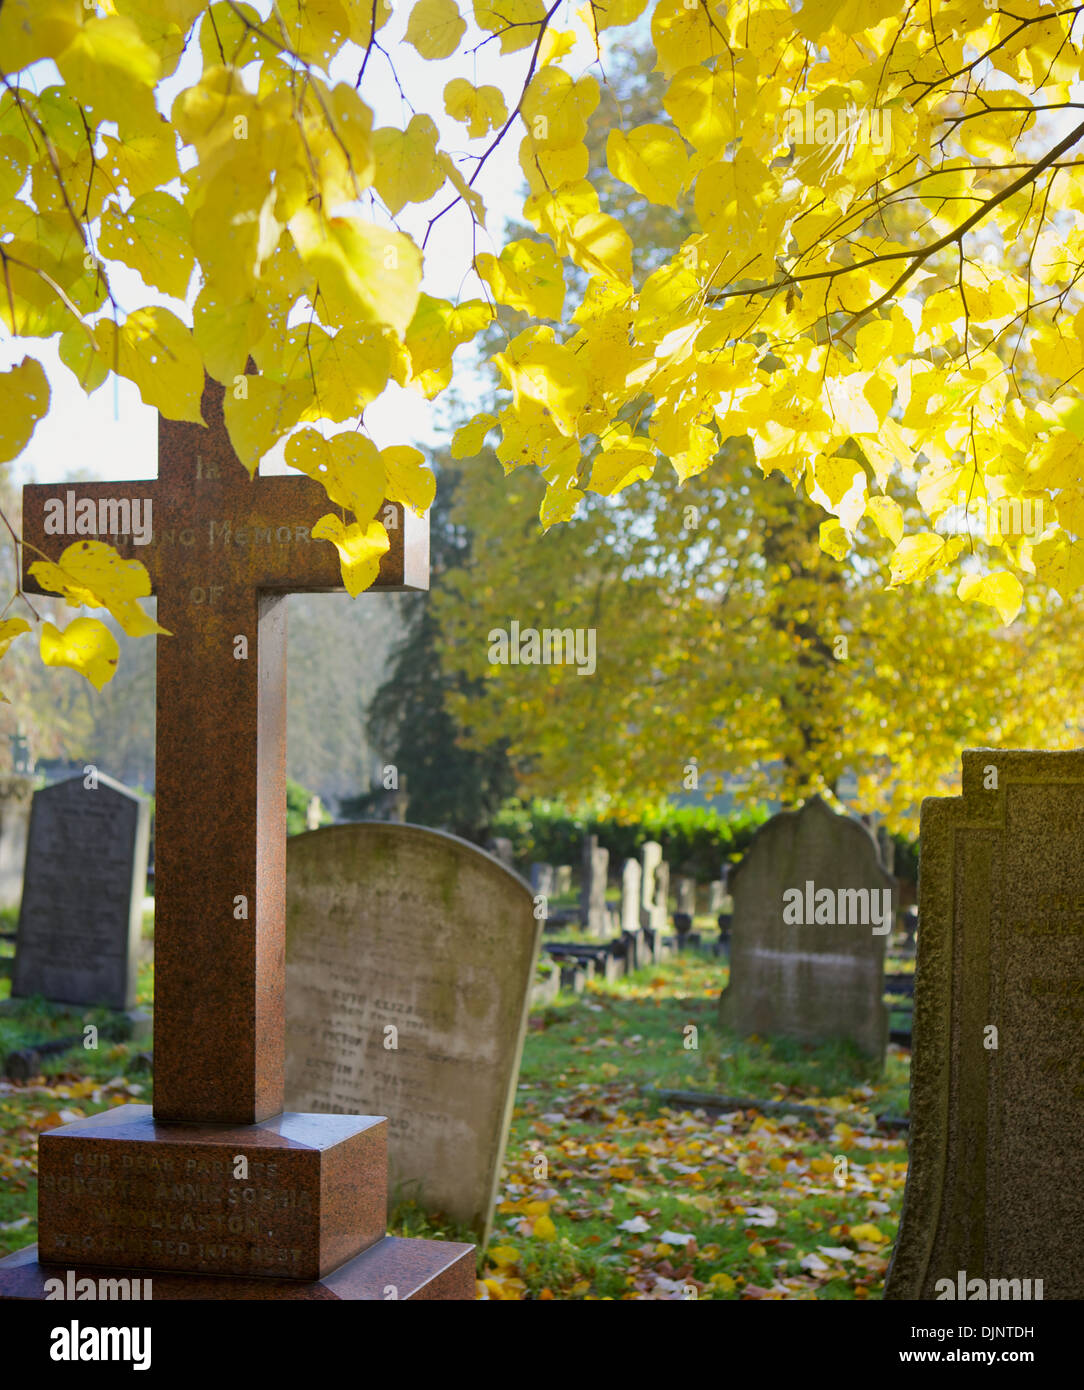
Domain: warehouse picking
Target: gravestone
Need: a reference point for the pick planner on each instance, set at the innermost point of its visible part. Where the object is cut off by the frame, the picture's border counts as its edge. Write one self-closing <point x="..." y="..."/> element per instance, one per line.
<point x="805" y="959"/>
<point x="563" y="879"/>
<point x="542" y="879"/>
<point x="286" y="1205"/>
<point x="686" y="895"/>
<point x="15" y="794"/>
<point x="504" y="850"/>
<point x="993" y="1188"/>
<point x="650" y="859"/>
<point x="403" y="928"/>
<point x="660" y="910"/>
<point x="596" y="861"/>
<point x="630" y="896"/>
<point x="82" y="908"/>
<point x="716" y="894"/>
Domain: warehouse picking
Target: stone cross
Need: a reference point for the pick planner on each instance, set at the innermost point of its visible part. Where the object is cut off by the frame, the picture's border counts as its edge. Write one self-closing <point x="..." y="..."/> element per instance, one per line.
<point x="223" y="552"/>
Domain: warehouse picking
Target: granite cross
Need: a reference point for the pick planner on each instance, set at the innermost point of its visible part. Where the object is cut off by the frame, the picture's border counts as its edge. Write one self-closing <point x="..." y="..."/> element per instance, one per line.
<point x="223" y="553"/>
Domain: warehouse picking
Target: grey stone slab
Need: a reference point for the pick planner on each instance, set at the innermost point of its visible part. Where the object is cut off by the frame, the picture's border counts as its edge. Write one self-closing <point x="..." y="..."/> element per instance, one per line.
<point x="410" y="957"/>
<point x="997" y="1081"/>
<point x="820" y="978"/>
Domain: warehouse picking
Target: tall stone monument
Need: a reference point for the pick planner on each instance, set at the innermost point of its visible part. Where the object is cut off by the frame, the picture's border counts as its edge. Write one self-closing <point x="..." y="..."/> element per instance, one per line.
<point x="994" y="1200"/>
<point x="218" y="1192"/>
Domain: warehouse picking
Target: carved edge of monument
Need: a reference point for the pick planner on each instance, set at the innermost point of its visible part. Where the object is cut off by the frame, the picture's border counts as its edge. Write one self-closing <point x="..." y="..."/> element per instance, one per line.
<point x="942" y="820"/>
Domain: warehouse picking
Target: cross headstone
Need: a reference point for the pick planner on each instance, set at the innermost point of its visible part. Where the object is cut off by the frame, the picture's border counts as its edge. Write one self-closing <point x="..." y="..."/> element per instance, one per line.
<point x="224" y="551"/>
<point x="994" y="1201"/>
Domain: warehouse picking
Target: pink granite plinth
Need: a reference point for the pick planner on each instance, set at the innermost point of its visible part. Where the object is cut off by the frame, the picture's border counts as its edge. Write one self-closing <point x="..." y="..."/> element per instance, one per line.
<point x="418" y="1270"/>
<point x="122" y="1190"/>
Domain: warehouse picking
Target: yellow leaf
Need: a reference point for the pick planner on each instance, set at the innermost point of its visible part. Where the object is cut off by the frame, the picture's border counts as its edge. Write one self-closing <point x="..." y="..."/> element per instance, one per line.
<point x="470" y="196"/>
<point x="347" y="465"/>
<point x="503" y="1255"/>
<point x="154" y="349"/>
<point x="757" y="1250"/>
<point x="867" y="1231"/>
<point x="90" y="574"/>
<point x="617" y="468"/>
<point x="360" y="548"/>
<point x="834" y="540"/>
<point x="407" y="169"/>
<point x="651" y="159"/>
<point x="917" y="557"/>
<point x="110" y="71"/>
<point x="24" y="400"/>
<point x="480" y="109"/>
<point x="34" y="29"/>
<point x="1001" y="590"/>
<point x="544" y="1228"/>
<point x="1059" y="562"/>
<point x="559" y="504"/>
<point x="409" y="481"/>
<point x="10" y="628"/>
<point x="154" y="237"/>
<point x="257" y="421"/>
<point x="887" y="517"/>
<point x="724" y="1282"/>
<point x="86" y="645"/>
<point x="516" y="21"/>
<point x="527" y="275"/>
<point x="469" y="438"/>
<point x="364" y="271"/>
<point x="435" y="28"/>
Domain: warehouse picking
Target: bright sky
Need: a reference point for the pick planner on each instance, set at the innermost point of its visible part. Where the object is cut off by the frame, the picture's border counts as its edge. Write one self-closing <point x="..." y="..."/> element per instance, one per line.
<point x="112" y="434"/>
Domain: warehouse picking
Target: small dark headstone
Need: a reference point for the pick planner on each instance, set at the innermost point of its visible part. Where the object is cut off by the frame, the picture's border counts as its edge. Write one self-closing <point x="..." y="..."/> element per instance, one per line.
<point x="81" y="915"/>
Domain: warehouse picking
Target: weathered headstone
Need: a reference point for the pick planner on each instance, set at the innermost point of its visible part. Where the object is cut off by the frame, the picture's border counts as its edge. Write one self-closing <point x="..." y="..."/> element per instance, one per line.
<point x="716" y="894"/>
<point x="650" y="859"/>
<point x="596" y="861"/>
<point x="563" y="879"/>
<point x="812" y="908"/>
<point x="82" y="907"/>
<point x="218" y="1180"/>
<point x="994" y="1200"/>
<point x="409" y="961"/>
<point x="630" y="896"/>
<point x="542" y="879"/>
<point x="15" y="794"/>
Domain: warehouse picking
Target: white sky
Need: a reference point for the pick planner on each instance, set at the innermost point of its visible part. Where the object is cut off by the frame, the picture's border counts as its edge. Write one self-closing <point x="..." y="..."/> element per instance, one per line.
<point x="113" y="434"/>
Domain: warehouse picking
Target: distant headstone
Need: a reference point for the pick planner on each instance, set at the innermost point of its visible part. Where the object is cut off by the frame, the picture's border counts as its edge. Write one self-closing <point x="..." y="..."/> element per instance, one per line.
<point x="82" y="904"/>
<point x="410" y="956"/>
<point x="542" y="879"/>
<point x="21" y="761"/>
<point x="716" y="894"/>
<point x="650" y="859"/>
<point x="660" y="911"/>
<point x="630" y="896"/>
<point x="503" y="850"/>
<point x="563" y="880"/>
<point x="887" y="847"/>
<point x="686" y="895"/>
<point x="313" y="812"/>
<point x="812" y="909"/>
<point x="994" y="1201"/>
<point x="596" y="861"/>
<point x="15" y="794"/>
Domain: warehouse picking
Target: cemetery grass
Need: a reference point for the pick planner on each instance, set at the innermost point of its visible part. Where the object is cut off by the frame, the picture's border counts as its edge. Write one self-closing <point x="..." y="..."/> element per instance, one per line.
<point x="607" y="1193"/>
